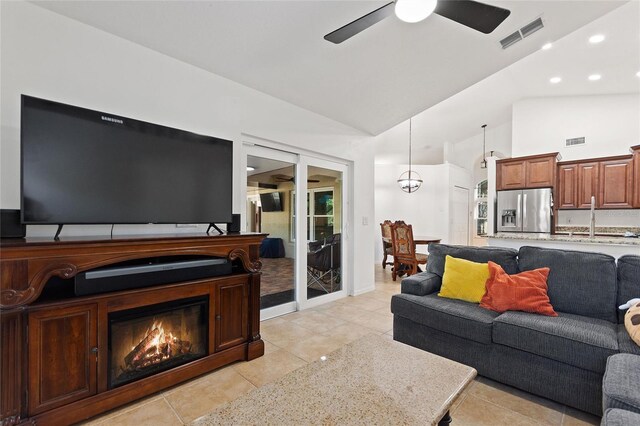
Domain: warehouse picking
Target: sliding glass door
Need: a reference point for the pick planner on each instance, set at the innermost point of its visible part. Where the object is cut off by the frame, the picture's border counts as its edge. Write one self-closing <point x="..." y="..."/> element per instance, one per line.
<point x="324" y="250"/>
<point x="297" y="272"/>
<point x="270" y="187"/>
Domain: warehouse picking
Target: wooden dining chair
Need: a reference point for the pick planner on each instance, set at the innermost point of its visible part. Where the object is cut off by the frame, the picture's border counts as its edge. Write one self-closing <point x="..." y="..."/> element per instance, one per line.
<point x="385" y="228"/>
<point x="405" y="258"/>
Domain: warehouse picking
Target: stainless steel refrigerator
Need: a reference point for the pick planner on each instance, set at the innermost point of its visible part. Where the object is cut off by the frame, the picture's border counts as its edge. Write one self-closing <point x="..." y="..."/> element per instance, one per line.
<point x="525" y="210"/>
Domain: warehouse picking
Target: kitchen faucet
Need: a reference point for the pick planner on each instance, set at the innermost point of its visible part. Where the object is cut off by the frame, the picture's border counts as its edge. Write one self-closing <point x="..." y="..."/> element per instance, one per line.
<point x="592" y="226"/>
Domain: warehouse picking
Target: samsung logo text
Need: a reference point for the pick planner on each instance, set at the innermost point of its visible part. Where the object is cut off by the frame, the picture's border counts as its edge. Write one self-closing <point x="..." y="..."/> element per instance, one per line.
<point x="113" y="120"/>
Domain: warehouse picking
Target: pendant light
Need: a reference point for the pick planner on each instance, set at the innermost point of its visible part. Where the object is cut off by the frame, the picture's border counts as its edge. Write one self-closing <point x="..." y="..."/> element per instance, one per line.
<point x="483" y="163"/>
<point x="410" y="181"/>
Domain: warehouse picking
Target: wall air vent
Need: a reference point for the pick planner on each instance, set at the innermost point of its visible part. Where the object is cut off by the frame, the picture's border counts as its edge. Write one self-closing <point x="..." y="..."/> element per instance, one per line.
<point x="511" y="39"/>
<point x="575" y="141"/>
<point x="532" y="27"/>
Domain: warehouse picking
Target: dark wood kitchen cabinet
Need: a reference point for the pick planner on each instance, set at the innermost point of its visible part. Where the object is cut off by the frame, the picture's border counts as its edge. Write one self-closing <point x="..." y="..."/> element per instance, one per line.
<point x="587" y="184"/>
<point x="607" y="179"/>
<point x="510" y="174"/>
<point x="566" y="196"/>
<point x="616" y="183"/>
<point x="577" y="183"/>
<point x="535" y="171"/>
<point x="62" y="356"/>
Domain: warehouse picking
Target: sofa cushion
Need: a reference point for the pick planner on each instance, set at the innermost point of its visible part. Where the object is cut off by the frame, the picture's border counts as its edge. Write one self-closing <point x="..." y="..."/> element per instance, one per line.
<point x="625" y="344"/>
<point x="628" y="281"/>
<point x="620" y="383"/>
<point x="505" y="257"/>
<point x="618" y="417"/>
<point x="421" y="284"/>
<point x="579" y="341"/>
<point x="462" y="319"/>
<point x="579" y="283"/>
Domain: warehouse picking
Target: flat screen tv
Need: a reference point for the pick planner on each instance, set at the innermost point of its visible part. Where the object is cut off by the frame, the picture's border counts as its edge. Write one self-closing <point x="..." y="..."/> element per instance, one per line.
<point x="81" y="166"/>
<point x="271" y="202"/>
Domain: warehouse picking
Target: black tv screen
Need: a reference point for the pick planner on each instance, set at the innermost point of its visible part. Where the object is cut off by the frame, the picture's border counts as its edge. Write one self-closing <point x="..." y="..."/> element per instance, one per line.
<point x="271" y="202"/>
<point x="81" y="166"/>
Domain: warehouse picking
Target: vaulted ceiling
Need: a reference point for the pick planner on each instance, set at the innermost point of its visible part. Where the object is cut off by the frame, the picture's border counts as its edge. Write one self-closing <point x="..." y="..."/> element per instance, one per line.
<point x="372" y="82"/>
<point x="573" y="58"/>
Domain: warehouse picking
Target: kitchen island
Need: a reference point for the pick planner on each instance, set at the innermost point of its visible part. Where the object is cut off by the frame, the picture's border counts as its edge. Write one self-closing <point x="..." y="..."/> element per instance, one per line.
<point x="615" y="246"/>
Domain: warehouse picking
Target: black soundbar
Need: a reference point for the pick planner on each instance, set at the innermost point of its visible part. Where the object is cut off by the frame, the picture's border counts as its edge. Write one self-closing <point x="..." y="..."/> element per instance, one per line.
<point x="130" y="276"/>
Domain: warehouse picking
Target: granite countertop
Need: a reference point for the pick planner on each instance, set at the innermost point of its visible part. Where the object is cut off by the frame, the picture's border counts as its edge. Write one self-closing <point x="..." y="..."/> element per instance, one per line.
<point x="599" y="230"/>
<point x="600" y="239"/>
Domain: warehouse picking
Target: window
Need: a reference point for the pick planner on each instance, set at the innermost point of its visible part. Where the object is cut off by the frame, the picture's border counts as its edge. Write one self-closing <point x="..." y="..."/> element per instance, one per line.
<point x="320" y="214"/>
<point x="480" y="214"/>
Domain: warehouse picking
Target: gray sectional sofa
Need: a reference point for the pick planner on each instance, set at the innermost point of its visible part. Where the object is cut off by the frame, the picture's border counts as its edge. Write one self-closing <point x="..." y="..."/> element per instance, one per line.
<point x="561" y="358"/>
<point x="621" y="391"/>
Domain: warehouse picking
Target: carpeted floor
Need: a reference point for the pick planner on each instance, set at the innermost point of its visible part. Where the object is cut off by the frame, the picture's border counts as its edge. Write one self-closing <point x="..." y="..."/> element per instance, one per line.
<point x="277" y="282"/>
<point x="277" y="275"/>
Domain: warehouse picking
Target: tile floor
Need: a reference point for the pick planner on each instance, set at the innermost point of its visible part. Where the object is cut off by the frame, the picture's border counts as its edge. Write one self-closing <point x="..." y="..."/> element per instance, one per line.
<point x="293" y="340"/>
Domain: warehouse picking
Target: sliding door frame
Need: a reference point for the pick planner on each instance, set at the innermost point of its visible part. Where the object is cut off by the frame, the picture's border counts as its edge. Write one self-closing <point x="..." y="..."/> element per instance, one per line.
<point x="302" y="159"/>
<point x="302" y="225"/>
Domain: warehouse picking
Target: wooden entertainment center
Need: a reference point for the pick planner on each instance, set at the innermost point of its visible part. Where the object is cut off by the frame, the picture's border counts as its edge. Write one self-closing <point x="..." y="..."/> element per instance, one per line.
<point x="54" y="366"/>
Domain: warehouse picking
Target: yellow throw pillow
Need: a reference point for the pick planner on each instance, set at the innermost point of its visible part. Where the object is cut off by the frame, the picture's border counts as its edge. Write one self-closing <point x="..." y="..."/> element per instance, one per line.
<point x="464" y="280"/>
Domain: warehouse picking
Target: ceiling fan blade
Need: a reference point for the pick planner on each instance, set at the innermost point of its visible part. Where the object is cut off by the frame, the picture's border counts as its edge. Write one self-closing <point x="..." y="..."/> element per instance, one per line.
<point x="360" y="24"/>
<point x="479" y="16"/>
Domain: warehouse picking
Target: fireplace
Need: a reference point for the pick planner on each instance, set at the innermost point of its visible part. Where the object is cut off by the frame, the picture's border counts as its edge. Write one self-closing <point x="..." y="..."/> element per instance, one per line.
<point x="150" y="339"/>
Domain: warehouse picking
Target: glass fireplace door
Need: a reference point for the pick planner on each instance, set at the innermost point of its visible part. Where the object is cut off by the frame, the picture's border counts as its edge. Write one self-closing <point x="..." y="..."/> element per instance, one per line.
<point x="150" y="339"/>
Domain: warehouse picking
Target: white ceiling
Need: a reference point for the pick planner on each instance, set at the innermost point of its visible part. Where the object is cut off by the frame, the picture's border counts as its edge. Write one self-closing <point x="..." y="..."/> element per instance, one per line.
<point x="573" y="58"/>
<point x="372" y="82"/>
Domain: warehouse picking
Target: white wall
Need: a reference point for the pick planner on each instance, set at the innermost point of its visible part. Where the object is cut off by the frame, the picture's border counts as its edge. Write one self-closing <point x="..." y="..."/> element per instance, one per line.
<point x="427" y="210"/>
<point x="468" y="153"/>
<point x="47" y="55"/>
<point x="610" y="123"/>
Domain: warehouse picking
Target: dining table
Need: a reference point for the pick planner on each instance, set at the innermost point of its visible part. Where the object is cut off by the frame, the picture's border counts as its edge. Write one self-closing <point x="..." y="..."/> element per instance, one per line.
<point x="419" y="240"/>
<point x="422" y="240"/>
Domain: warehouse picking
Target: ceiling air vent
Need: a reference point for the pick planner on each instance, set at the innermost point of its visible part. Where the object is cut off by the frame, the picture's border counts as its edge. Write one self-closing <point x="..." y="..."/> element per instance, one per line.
<point x="523" y="32"/>
<point x="532" y="27"/>
<point x="511" y="39"/>
<point x="575" y="141"/>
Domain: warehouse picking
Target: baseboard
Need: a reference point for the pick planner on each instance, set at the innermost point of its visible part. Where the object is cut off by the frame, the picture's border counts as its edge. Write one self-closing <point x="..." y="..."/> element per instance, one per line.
<point x="363" y="290"/>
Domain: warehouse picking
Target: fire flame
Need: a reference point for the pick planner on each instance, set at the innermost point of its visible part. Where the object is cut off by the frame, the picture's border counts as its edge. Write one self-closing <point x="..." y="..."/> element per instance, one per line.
<point x="156" y="346"/>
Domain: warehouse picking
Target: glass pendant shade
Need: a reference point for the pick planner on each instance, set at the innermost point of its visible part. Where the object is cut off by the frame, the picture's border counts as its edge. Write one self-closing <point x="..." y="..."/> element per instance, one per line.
<point x="410" y="181"/>
<point x="414" y="10"/>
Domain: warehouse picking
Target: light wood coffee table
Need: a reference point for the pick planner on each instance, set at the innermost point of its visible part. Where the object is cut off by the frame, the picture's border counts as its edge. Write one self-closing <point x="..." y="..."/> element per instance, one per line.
<point x="373" y="380"/>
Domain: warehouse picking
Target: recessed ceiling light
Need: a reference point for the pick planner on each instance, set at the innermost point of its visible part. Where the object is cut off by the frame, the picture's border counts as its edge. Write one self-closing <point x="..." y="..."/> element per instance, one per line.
<point x="547" y="46"/>
<point x="638" y="74"/>
<point x="595" y="77"/>
<point x="596" y="38"/>
<point x="555" y="80"/>
<point x="250" y="169"/>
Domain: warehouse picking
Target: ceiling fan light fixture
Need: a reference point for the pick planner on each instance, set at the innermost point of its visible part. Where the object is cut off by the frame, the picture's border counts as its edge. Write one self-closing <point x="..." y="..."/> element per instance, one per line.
<point x="412" y="11"/>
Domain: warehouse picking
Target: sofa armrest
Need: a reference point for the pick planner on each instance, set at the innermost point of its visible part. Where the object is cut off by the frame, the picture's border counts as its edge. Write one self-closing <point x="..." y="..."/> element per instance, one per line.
<point x="421" y="284"/>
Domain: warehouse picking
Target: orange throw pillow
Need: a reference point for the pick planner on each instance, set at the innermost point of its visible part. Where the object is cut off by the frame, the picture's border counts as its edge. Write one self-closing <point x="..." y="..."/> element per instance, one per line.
<point x="526" y="291"/>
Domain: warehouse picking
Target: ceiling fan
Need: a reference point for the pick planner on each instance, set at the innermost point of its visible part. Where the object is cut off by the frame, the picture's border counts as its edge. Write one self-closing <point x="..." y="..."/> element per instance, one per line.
<point x="284" y="178"/>
<point x="478" y="16"/>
